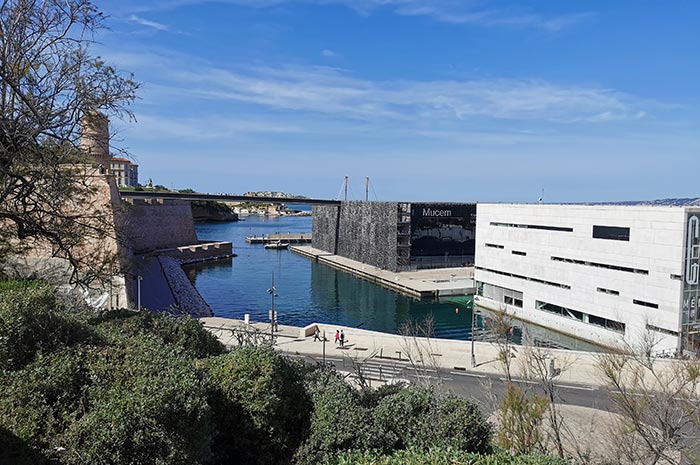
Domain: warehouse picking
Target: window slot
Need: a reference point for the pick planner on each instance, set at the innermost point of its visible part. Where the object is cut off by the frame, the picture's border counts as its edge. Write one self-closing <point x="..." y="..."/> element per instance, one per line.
<point x="645" y="304"/>
<point x="614" y="233"/>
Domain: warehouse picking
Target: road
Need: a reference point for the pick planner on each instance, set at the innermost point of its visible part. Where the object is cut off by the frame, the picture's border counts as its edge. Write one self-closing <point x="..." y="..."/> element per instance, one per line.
<point x="483" y="388"/>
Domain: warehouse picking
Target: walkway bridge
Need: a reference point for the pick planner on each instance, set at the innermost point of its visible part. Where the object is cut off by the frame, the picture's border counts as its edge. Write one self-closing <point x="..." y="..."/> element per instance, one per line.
<point x="224" y="198"/>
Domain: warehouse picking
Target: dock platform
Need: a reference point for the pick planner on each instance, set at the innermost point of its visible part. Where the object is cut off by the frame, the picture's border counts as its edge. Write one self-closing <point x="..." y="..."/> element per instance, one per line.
<point x="289" y="238"/>
<point x="435" y="283"/>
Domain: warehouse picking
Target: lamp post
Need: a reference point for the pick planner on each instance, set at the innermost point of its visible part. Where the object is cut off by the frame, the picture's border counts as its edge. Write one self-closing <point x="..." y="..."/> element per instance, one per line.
<point x="472" y="336"/>
<point x="272" y="293"/>
<point x="138" y="290"/>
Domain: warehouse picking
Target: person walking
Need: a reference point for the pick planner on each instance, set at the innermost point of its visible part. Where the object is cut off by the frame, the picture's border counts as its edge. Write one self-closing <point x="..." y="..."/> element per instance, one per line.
<point x="317" y="333"/>
<point x="342" y="339"/>
<point x="337" y="336"/>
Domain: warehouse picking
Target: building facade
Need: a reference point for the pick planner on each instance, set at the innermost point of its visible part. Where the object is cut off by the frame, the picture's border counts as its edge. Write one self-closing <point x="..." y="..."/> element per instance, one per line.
<point x="610" y="274"/>
<point x="397" y="236"/>
<point x="125" y="172"/>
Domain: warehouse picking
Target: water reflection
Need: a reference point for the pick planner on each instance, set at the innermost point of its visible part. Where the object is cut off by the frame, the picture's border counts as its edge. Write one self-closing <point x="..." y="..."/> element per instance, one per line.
<point x="310" y="292"/>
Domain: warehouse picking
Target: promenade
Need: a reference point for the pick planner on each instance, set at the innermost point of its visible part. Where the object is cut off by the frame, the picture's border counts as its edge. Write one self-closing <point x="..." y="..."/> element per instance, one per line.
<point x="439" y="282"/>
<point x="451" y="355"/>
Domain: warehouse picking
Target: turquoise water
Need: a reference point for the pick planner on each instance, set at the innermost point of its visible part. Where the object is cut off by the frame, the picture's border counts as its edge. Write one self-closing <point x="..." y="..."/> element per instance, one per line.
<point x="310" y="292"/>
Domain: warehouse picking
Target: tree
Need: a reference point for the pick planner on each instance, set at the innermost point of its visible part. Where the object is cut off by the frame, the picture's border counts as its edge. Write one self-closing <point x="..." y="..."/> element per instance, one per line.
<point x="660" y="404"/>
<point x="48" y="83"/>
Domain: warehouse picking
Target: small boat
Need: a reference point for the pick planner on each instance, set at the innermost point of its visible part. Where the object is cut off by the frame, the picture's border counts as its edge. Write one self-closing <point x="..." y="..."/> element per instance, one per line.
<point x="277" y="245"/>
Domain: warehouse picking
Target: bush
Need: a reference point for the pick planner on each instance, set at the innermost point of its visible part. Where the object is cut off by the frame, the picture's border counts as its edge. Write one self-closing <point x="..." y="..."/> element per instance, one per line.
<point x="32" y="321"/>
<point x="440" y="456"/>
<point x="419" y="418"/>
<point x="260" y="406"/>
<point x="183" y="333"/>
<point x="338" y="421"/>
<point x="40" y="401"/>
<point x="147" y="405"/>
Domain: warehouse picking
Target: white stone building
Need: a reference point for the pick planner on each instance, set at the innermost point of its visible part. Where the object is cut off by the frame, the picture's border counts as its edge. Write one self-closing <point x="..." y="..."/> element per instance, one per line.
<point x="610" y="274"/>
<point x="125" y="172"/>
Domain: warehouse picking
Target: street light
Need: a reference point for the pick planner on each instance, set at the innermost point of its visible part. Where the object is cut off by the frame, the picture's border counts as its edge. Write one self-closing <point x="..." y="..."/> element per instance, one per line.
<point x="138" y="290"/>
<point x="474" y="310"/>
<point x="273" y="316"/>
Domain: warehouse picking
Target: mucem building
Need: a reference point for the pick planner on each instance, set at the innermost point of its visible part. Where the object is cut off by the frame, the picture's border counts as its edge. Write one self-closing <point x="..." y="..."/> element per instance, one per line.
<point x="398" y="236"/>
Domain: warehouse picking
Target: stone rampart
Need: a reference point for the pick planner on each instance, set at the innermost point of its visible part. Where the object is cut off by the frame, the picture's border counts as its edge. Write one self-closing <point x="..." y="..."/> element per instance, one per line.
<point x="159" y="224"/>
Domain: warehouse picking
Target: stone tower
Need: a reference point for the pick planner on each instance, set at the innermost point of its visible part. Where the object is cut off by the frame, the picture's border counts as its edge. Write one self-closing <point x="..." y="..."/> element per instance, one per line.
<point x="94" y="139"/>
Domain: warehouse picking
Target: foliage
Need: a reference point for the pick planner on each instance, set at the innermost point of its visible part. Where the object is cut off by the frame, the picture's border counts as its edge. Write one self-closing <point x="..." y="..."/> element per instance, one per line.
<point x="32" y="321"/>
<point x="40" y="401"/>
<point x="520" y="420"/>
<point x="184" y="333"/>
<point x="48" y="82"/>
<point x="419" y="418"/>
<point x="147" y="405"/>
<point x="338" y="421"/>
<point x="440" y="456"/>
<point x="260" y="406"/>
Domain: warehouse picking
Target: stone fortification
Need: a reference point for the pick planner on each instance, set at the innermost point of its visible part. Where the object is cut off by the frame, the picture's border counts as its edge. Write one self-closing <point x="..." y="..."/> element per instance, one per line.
<point x="159" y="224"/>
<point x="362" y="231"/>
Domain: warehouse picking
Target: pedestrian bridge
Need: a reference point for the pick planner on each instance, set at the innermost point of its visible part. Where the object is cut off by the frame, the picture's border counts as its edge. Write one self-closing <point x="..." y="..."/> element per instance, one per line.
<point x="224" y="198"/>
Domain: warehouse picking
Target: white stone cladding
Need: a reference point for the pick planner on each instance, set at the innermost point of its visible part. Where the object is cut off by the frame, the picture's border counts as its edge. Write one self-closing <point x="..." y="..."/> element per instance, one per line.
<point x="649" y="267"/>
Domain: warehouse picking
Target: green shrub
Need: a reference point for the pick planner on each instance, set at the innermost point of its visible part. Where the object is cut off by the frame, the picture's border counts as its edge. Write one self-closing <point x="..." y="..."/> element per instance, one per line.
<point x="260" y="406"/>
<point x="32" y="321"/>
<point x="420" y="418"/>
<point x="40" y="401"/>
<point x="147" y="404"/>
<point x="440" y="456"/>
<point x="184" y="333"/>
<point x="338" y="421"/>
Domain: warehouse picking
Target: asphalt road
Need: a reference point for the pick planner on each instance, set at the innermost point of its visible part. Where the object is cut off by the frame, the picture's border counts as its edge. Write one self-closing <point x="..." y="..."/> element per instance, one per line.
<point x="485" y="389"/>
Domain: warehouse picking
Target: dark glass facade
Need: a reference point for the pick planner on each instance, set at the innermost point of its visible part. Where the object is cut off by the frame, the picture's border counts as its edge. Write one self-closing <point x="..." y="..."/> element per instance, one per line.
<point x="442" y="234"/>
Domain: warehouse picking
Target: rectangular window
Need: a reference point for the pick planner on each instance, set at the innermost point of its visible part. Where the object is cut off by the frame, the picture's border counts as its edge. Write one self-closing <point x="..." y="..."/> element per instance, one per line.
<point x="494" y="246"/>
<point x="533" y="226"/>
<point x="662" y="330"/>
<point x="608" y="291"/>
<point x="601" y="265"/>
<point x="611" y="325"/>
<point x="645" y="304"/>
<point x="517" y="252"/>
<point x="614" y="233"/>
<point x="527" y="278"/>
<point x="677" y="277"/>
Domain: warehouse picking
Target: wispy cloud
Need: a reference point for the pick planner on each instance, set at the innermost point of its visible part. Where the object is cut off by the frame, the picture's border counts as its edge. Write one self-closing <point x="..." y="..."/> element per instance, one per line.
<point x="447" y="11"/>
<point x="328" y="53"/>
<point x="334" y="91"/>
<point x="148" y="23"/>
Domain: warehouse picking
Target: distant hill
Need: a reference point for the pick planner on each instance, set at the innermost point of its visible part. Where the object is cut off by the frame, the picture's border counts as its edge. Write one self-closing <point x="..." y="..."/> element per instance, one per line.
<point x="689" y="202"/>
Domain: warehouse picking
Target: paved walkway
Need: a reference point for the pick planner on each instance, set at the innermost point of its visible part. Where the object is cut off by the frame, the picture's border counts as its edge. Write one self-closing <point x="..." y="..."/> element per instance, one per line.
<point x="580" y="367"/>
<point x="435" y="282"/>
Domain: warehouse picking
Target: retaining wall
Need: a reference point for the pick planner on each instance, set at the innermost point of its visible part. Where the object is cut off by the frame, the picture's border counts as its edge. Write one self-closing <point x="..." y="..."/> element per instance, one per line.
<point x="159" y="224"/>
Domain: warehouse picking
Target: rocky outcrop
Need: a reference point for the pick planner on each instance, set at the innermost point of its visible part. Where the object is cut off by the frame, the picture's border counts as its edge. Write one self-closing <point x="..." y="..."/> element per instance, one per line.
<point x="209" y="211"/>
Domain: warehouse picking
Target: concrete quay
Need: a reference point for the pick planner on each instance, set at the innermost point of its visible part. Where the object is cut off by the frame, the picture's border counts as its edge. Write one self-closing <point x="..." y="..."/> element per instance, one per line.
<point x="442" y="282"/>
<point x="289" y="238"/>
<point x="451" y="355"/>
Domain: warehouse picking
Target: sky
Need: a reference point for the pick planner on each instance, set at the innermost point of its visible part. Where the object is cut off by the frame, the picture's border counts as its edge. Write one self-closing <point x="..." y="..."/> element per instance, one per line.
<point x="433" y="100"/>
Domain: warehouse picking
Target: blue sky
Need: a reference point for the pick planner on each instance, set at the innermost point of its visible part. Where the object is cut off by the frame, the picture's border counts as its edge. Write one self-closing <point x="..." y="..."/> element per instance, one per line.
<point x="451" y="100"/>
